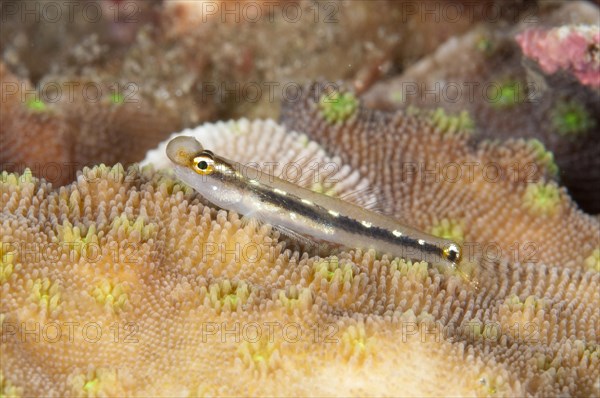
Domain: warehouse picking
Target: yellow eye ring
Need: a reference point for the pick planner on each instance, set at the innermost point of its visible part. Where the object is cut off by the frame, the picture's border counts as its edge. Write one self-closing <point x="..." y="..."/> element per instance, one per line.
<point x="203" y="165"/>
<point x="452" y="253"/>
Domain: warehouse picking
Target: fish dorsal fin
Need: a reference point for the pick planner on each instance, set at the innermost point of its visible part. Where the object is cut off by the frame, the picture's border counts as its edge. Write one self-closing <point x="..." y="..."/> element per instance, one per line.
<point x="367" y="198"/>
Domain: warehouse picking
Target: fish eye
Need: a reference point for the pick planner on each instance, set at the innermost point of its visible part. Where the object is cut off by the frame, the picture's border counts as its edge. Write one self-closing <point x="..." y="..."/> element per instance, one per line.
<point x="452" y="253"/>
<point x="203" y="165"/>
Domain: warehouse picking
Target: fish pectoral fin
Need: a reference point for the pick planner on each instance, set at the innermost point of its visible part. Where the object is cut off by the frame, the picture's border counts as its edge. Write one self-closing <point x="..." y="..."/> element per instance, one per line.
<point x="252" y="221"/>
<point x="301" y="239"/>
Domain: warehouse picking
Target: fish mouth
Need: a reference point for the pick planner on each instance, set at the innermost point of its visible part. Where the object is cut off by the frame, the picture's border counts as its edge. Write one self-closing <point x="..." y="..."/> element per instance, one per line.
<point x="182" y="150"/>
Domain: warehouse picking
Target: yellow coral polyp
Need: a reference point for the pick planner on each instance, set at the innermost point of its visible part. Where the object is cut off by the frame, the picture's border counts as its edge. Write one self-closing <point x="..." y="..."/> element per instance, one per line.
<point x="6" y="263"/>
<point x="261" y="355"/>
<point x="525" y="312"/>
<point x="296" y="298"/>
<point x="5" y="271"/>
<point x="7" y="389"/>
<point x="45" y="294"/>
<point x="449" y="229"/>
<point x="330" y="269"/>
<point x="114" y="174"/>
<point x="226" y="294"/>
<point x="452" y="124"/>
<point x="542" y="198"/>
<point x="534" y="303"/>
<point x="531" y="302"/>
<point x="16" y="179"/>
<point x="137" y="230"/>
<point x="355" y="343"/>
<point x="72" y="237"/>
<point x="166" y="184"/>
<point x="474" y="329"/>
<point x="417" y="271"/>
<point x="112" y="296"/>
<point x="336" y="107"/>
<point x="100" y="382"/>
<point x="544" y="156"/>
<point x="592" y="262"/>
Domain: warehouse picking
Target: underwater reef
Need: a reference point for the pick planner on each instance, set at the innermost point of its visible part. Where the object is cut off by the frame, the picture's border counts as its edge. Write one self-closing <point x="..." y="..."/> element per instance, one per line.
<point x="178" y="297"/>
<point x="149" y="68"/>
<point x="119" y="280"/>
<point x="484" y="75"/>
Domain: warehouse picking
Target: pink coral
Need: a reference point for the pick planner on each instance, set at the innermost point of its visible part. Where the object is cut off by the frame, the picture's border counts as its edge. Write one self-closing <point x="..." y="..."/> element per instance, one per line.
<point x="573" y="47"/>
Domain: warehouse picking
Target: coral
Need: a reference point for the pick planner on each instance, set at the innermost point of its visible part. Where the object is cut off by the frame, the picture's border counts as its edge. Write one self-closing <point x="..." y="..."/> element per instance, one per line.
<point x="111" y="295"/>
<point x="508" y="97"/>
<point x="571" y="118"/>
<point x="461" y="123"/>
<point x="508" y="94"/>
<point x="7" y="389"/>
<point x="31" y="133"/>
<point x="6" y="262"/>
<point x="96" y="383"/>
<point x="361" y="38"/>
<point x="449" y="229"/>
<point x="336" y="107"/>
<point x="593" y="261"/>
<point x="572" y="47"/>
<point x="452" y="123"/>
<point x="544" y="156"/>
<point x="161" y="66"/>
<point x="44" y="294"/>
<point x="542" y="198"/>
<point x="219" y="307"/>
<point x="54" y="139"/>
<point x="36" y="105"/>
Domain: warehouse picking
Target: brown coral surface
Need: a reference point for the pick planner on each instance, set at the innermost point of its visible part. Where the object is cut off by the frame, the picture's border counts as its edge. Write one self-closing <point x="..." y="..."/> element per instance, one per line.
<point x="124" y="283"/>
<point x="56" y="138"/>
<point x="129" y="73"/>
<point x="485" y="74"/>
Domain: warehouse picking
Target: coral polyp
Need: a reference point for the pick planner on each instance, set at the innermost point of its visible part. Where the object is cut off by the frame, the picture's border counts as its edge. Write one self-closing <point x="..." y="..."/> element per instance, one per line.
<point x="36" y="105"/>
<point x="452" y="124"/>
<point x="571" y="118"/>
<point x="449" y="229"/>
<point x="507" y="94"/>
<point x="542" y="198"/>
<point x="337" y="107"/>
